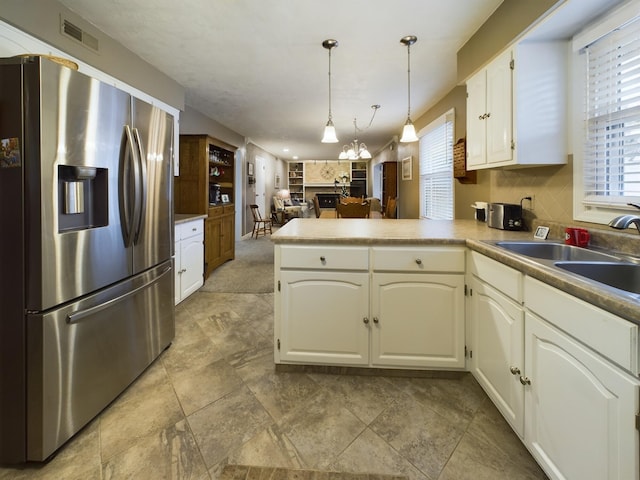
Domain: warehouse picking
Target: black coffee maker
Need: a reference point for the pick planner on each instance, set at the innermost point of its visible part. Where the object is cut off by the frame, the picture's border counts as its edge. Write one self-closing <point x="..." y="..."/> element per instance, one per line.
<point x="214" y="193"/>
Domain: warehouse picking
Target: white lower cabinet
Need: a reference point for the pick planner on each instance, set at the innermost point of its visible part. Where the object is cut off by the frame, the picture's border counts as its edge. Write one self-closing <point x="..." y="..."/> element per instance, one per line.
<point x="580" y="410"/>
<point x="189" y="258"/>
<point x="563" y="372"/>
<point x="324" y="317"/>
<point x="497" y="354"/>
<point x="417" y="320"/>
<point x="370" y="306"/>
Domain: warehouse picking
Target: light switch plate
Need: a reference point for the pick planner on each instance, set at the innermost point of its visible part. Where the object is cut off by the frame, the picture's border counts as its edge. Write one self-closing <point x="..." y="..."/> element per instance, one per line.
<point x="541" y="233"/>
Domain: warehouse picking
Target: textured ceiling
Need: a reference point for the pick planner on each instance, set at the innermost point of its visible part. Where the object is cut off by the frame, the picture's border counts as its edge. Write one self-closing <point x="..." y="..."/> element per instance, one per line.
<point x="258" y="67"/>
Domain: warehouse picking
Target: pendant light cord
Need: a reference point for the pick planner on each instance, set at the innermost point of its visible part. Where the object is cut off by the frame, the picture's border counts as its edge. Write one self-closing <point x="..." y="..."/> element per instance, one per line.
<point x="330" y="84"/>
<point x="408" y="80"/>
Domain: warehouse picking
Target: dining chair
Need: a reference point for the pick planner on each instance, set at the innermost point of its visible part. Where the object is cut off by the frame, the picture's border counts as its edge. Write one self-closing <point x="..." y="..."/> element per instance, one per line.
<point x="316" y="206"/>
<point x="259" y="224"/>
<point x="352" y="210"/>
<point x="390" y="208"/>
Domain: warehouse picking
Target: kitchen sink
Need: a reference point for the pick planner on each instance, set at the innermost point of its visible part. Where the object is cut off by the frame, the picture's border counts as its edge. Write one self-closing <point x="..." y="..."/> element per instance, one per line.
<point x="623" y="276"/>
<point x="556" y="251"/>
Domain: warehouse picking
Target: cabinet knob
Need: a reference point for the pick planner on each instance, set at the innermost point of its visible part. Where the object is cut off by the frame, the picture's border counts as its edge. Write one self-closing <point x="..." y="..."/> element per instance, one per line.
<point x="480" y="117"/>
<point x="487" y="115"/>
<point x="525" y="380"/>
<point x="514" y="371"/>
<point x="418" y="261"/>
<point x="365" y="320"/>
<point x="376" y="320"/>
<point x="323" y="259"/>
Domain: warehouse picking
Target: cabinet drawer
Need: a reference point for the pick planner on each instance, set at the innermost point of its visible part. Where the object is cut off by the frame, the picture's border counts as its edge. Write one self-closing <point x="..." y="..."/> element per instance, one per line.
<point x="506" y="279"/>
<point x="189" y="229"/>
<point x="418" y="259"/>
<point x="604" y="332"/>
<point x="215" y="211"/>
<point x="323" y="257"/>
<point x="229" y="209"/>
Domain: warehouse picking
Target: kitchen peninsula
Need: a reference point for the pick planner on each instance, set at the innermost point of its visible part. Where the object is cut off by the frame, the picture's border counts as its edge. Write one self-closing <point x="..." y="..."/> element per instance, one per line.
<point x="557" y="354"/>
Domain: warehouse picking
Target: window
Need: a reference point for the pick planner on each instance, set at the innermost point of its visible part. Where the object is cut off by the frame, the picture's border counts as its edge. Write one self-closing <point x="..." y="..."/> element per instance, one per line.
<point x="436" y="168"/>
<point x="607" y="170"/>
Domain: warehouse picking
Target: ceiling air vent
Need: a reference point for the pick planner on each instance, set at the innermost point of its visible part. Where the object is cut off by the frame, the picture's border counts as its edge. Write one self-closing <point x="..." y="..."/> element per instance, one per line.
<point x="71" y="30"/>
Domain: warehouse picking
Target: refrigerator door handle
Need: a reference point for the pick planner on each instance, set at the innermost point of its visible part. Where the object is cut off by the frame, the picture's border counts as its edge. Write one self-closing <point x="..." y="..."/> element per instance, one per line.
<point x="76" y="317"/>
<point x="141" y="185"/>
<point x="128" y="192"/>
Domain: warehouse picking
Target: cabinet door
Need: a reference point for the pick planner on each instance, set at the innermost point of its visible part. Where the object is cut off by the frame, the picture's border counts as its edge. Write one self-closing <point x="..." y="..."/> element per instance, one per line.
<point x="476" y="122"/>
<point x="192" y="257"/>
<point x="212" y="252"/>
<point x="497" y="350"/>
<point x="324" y="317"/>
<point x="499" y="122"/>
<point x="227" y="240"/>
<point x="418" y="320"/>
<point x="580" y="410"/>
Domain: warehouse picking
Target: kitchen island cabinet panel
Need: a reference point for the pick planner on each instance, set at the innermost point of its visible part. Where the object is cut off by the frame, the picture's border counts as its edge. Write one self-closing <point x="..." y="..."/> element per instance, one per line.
<point x="418" y="320"/>
<point x="324" y="317"/>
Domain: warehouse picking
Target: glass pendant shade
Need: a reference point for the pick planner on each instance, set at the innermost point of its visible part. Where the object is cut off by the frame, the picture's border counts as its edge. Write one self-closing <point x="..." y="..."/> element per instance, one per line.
<point x="329" y="133"/>
<point x="409" y="132"/>
<point x="364" y="153"/>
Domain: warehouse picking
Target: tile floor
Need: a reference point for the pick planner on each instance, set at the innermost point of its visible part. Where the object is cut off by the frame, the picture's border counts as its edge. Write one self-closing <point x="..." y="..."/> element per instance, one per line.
<point x="214" y="398"/>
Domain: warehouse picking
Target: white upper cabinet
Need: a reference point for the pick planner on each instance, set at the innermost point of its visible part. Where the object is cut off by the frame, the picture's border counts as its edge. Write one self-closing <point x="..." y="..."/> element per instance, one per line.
<point x="517" y="108"/>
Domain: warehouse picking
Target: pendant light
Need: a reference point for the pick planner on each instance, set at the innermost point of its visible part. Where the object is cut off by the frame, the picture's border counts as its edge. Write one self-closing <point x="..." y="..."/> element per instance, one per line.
<point x="409" y="131"/>
<point x="329" y="130"/>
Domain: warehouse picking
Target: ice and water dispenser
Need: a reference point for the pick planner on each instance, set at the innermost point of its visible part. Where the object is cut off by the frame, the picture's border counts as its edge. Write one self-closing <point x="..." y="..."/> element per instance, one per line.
<point x="83" y="200"/>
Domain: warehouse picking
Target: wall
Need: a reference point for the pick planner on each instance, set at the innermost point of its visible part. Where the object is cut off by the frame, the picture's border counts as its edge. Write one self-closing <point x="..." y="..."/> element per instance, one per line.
<point x="509" y="22"/>
<point x="41" y="19"/>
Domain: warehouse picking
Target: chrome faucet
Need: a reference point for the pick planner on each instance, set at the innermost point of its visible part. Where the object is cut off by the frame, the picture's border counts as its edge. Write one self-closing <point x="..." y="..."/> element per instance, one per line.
<point x="625" y="221"/>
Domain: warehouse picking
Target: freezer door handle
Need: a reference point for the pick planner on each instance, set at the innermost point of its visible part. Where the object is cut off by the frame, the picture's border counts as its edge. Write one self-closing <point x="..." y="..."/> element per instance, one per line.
<point x="141" y="185"/>
<point x="76" y="317"/>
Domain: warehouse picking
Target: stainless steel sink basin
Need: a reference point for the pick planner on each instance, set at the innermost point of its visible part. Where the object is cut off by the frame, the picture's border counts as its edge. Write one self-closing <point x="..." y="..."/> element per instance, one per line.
<point x="556" y="251"/>
<point x="623" y="276"/>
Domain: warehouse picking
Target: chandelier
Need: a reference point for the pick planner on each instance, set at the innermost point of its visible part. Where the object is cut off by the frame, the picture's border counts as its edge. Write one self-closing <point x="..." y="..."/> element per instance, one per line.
<point x="355" y="150"/>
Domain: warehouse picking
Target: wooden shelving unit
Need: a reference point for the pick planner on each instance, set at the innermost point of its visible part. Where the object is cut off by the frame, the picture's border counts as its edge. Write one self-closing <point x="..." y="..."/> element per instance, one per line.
<point x="206" y="163"/>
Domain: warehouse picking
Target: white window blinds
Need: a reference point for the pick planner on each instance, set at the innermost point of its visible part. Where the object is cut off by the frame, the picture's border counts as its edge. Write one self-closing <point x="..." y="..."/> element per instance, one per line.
<point x="611" y="165"/>
<point x="436" y="169"/>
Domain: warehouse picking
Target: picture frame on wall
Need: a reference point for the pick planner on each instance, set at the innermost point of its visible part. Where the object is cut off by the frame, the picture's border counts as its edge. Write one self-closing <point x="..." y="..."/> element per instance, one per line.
<point x="407" y="167"/>
<point x="276" y="182"/>
<point x="250" y="168"/>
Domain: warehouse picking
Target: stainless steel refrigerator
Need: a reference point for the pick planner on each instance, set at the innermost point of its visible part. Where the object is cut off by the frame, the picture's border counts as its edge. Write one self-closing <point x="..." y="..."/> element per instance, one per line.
<point x="86" y="245"/>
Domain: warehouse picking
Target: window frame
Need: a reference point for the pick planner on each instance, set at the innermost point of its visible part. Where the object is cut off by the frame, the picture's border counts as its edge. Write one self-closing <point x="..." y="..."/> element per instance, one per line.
<point x="586" y="211"/>
<point x="437" y="123"/>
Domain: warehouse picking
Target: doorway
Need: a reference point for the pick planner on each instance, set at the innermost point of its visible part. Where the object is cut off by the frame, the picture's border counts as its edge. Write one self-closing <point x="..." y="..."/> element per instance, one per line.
<point x="260" y="186"/>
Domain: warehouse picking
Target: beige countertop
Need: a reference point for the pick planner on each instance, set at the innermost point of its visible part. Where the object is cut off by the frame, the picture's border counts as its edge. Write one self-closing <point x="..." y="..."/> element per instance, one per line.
<point x="465" y="232"/>
<point x="187" y="217"/>
<point x="380" y="231"/>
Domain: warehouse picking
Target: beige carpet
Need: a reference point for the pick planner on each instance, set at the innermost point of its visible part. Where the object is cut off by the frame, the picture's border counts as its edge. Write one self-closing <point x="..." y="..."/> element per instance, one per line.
<point x="250" y="272"/>
<point x="243" y="472"/>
